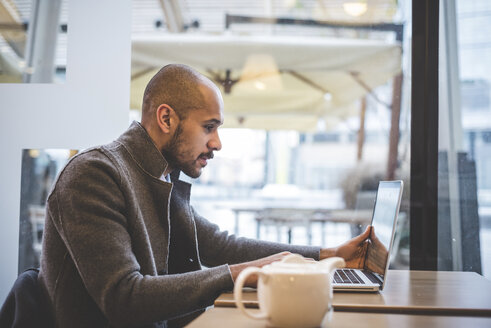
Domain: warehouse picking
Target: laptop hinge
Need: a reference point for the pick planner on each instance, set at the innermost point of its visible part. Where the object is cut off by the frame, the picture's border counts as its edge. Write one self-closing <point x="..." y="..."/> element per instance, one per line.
<point x="374" y="277"/>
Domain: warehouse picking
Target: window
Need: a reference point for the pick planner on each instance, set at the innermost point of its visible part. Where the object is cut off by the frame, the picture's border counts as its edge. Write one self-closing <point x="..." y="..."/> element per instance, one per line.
<point x="33" y="40"/>
<point x="316" y="113"/>
<point x="464" y="161"/>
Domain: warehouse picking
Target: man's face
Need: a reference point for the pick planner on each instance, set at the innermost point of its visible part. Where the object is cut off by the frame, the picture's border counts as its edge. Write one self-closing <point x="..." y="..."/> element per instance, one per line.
<point x="196" y="137"/>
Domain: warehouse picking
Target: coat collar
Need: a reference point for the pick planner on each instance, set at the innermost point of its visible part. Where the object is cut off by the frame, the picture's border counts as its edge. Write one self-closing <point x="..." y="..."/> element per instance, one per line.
<point x="143" y="150"/>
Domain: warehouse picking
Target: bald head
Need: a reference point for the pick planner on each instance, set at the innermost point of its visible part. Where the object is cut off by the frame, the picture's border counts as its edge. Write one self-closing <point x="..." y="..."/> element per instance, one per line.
<point x="178" y="86"/>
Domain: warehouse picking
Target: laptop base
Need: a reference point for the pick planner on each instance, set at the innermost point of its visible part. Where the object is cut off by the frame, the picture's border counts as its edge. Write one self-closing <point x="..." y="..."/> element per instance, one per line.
<point x="363" y="281"/>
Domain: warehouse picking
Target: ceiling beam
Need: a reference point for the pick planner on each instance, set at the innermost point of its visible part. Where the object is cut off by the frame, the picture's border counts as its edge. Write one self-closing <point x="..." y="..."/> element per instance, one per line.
<point x="173" y="15"/>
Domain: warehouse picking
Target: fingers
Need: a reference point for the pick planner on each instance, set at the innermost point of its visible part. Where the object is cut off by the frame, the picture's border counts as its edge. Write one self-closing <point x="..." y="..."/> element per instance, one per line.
<point x="278" y="256"/>
<point x="270" y="259"/>
<point x="364" y="235"/>
<point x="373" y="236"/>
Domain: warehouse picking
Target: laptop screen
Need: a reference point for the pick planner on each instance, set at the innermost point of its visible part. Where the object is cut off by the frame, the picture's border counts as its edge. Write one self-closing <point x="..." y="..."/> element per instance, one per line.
<point x="383" y="226"/>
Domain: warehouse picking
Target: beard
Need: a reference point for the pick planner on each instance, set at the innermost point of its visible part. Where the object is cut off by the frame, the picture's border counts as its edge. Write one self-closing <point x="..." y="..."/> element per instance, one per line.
<point x="175" y="151"/>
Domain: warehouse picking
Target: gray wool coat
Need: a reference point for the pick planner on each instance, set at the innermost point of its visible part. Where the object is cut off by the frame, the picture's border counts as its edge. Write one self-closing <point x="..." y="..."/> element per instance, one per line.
<point x="123" y="248"/>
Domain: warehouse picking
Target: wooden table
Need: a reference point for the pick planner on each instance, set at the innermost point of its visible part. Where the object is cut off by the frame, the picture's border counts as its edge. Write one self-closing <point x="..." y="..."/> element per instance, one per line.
<point x="410" y="292"/>
<point x="410" y="299"/>
<point x="231" y="317"/>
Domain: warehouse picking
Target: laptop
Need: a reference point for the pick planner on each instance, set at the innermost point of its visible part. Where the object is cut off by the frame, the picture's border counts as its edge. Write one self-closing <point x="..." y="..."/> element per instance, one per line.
<point x="372" y="277"/>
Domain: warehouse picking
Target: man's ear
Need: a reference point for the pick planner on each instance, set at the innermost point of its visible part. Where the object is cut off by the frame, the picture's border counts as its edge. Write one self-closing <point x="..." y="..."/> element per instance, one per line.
<point x="165" y="117"/>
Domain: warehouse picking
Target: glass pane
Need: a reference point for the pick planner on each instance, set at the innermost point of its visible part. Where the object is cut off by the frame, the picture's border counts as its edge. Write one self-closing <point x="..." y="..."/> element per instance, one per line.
<point x="464" y="189"/>
<point x="316" y="109"/>
<point x="39" y="170"/>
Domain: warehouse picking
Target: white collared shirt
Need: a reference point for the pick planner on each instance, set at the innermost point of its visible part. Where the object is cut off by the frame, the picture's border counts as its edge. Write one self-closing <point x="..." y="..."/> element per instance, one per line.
<point x="165" y="178"/>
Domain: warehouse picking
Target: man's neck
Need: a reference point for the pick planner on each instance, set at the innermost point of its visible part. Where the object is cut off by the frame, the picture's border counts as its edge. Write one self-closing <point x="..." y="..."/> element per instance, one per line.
<point x="158" y="140"/>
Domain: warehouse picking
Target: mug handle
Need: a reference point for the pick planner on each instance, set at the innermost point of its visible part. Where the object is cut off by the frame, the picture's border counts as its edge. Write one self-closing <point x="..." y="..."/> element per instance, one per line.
<point x="239" y="284"/>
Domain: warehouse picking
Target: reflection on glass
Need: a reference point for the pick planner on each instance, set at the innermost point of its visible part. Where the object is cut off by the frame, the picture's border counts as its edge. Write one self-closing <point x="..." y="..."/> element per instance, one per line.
<point x="39" y="169"/>
<point x="377" y="254"/>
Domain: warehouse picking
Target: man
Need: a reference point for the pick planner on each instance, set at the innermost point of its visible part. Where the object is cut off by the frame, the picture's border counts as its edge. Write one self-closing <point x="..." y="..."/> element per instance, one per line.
<point x="122" y="246"/>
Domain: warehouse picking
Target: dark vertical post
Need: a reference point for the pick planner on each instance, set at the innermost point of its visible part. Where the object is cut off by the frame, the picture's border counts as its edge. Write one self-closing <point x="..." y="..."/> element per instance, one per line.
<point x="361" y="131"/>
<point x="392" y="158"/>
<point x="394" y="135"/>
<point x="424" y="136"/>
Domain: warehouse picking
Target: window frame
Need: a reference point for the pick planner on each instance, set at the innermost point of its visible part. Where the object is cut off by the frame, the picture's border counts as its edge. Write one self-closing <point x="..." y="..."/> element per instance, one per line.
<point x="424" y="136"/>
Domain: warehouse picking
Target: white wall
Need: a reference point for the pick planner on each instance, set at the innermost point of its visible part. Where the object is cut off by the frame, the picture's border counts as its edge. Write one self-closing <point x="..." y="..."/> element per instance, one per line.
<point x="90" y="108"/>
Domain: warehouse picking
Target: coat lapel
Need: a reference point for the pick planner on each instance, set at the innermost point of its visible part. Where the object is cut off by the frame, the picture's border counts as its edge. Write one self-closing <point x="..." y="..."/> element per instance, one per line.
<point x="183" y="255"/>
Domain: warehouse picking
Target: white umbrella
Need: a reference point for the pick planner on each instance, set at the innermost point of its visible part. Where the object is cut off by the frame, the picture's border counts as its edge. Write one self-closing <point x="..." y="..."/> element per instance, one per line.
<point x="277" y="82"/>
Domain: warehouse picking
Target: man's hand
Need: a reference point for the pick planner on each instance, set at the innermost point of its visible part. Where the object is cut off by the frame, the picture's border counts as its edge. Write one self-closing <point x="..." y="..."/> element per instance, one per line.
<point x="353" y="251"/>
<point x="251" y="281"/>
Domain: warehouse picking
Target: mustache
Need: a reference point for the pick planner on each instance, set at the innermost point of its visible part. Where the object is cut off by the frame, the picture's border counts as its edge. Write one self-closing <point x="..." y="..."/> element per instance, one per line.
<point x="208" y="155"/>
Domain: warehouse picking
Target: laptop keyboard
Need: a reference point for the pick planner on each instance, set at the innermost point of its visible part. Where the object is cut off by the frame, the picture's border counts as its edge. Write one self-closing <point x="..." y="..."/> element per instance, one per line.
<point x="347" y="276"/>
<point x="371" y="277"/>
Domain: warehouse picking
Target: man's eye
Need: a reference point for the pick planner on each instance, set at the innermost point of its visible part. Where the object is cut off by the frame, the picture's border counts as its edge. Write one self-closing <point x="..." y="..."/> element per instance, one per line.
<point x="209" y="128"/>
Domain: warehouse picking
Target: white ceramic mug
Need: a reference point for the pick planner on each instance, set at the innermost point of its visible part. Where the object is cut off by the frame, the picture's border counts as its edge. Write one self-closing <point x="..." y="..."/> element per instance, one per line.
<point x="294" y="292"/>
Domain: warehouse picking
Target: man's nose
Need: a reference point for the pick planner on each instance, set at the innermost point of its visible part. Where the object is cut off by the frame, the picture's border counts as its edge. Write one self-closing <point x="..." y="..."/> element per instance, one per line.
<point x="215" y="143"/>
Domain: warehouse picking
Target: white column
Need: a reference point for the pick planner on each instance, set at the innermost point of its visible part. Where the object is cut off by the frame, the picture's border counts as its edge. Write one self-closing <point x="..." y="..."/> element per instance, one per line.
<point x="41" y="41"/>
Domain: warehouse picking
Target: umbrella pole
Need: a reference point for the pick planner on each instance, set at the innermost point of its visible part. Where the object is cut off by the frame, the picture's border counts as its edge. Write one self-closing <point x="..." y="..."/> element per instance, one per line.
<point x="361" y="131"/>
<point x="394" y="127"/>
